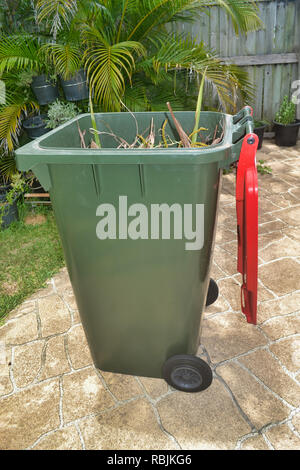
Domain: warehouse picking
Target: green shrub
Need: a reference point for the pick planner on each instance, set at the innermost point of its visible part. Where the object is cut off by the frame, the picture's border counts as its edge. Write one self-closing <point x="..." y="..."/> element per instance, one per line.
<point x="60" y="112"/>
<point x="287" y="112"/>
<point x="261" y="123"/>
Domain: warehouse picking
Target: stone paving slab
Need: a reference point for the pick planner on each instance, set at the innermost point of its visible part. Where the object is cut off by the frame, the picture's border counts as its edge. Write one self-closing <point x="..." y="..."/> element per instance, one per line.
<point x="52" y="397"/>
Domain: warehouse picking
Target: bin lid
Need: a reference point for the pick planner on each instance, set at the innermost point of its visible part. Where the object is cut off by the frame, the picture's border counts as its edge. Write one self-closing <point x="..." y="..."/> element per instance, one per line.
<point x="247" y="225"/>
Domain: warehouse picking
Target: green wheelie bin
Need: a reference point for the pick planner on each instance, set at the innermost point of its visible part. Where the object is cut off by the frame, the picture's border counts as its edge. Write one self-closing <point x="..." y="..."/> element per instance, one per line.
<point x="137" y="227"/>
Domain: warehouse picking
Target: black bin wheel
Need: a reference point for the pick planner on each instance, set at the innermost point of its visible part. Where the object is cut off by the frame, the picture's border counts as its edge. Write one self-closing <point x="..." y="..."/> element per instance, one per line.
<point x="212" y="293"/>
<point x="187" y="373"/>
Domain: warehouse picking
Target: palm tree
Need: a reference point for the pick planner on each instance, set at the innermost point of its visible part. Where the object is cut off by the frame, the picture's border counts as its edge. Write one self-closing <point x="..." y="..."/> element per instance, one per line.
<point x="18" y="103"/>
<point x="132" y="52"/>
<point x="130" y="49"/>
<point x="21" y="57"/>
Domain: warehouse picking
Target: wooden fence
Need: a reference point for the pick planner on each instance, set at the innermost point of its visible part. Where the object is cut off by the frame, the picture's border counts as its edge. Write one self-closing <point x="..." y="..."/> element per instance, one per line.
<point x="271" y="55"/>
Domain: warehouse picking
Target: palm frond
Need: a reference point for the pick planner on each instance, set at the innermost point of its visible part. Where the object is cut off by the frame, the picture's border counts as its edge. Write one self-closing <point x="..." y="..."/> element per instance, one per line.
<point x="11" y="115"/>
<point x="66" y="58"/>
<point x="159" y="96"/>
<point x="175" y="52"/>
<point x="135" y="97"/>
<point x="94" y="18"/>
<point x="8" y="166"/>
<point x="108" y="67"/>
<point x="19" y="52"/>
<point x="150" y="14"/>
<point x="243" y="14"/>
<point x="59" y="12"/>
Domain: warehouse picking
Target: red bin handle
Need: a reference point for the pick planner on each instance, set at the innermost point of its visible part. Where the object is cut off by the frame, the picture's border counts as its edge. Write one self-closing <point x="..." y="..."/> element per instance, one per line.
<point x="247" y="225"/>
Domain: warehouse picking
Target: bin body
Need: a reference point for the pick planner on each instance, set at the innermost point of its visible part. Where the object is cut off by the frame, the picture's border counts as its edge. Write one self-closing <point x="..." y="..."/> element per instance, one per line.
<point x="140" y="300"/>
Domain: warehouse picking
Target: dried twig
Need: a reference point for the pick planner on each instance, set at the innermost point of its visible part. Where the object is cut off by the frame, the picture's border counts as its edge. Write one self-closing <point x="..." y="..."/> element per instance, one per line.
<point x="81" y="135"/>
<point x="215" y="133"/>
<point x="136" y="124"/>
<point x="217" y="140"/>
<point x="151" y="136"/>
<point x="183" y="136"/>
<point x="141" y="141"/>
<point x="94" y="145"/>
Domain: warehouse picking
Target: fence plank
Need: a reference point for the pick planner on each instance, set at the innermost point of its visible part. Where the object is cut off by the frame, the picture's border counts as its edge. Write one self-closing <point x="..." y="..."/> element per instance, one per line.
<point x="270" y="27"/>
<point x="259" y="79"/>
<point x="286" y="81"/>
<point x="224" y="38"/>
<point x="263" y="59"/>
<point x="262" y="33"/>
<point x="276" y="91"/>
<point x="214" y="29"/>
<point x="289" y="27"/>
<point x="268" y="88"/>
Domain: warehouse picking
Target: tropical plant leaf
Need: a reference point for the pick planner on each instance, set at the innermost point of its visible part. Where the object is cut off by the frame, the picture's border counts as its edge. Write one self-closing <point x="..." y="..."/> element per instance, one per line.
<point x="153" y="13"/>
<point x="243" y="14"/>
<point x="8" y="166"/>
<point x="135" y="97"/>
<point x="67" y="58"/>
<point x="18" y="52"/>
<point x="11" y="115"/>
<point x="59" y="12"/>
<point x="110" y="38"/>
<point x="109" y="66"/>
<point x="175" y="52"/>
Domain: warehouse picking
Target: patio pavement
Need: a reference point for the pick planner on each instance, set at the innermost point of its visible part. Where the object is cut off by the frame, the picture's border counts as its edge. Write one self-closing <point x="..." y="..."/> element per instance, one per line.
<point x="53" y="398"/>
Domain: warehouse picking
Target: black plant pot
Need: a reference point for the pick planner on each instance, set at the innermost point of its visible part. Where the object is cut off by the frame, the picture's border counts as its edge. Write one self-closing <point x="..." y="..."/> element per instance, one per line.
<point x="45" y="89"/>
<point x="10" y="214"/>
<point x="76" y="89"/>
<point x="286" y="136"/>
<point x="259" y="131"/>
<point x="35" y="126"/>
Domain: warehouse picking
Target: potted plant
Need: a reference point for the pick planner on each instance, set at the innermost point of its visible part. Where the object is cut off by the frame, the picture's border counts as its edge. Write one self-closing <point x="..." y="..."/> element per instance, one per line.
<point x="8" y="212"/>
<point x="67" y="57"/>
<point x="286" y="126"/>
<point x="59" y="113"/>
<point x="23" y="52"/>
<point x="35" y="126"/>
<point x="45" y="88"/>
<point x="259" y="130"/>
<point x="75" y="88"/>
<point x="9" y="195"/>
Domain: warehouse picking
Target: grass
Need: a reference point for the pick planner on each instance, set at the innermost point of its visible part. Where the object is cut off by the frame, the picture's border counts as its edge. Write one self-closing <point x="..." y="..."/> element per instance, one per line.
<point x="29" y="255"/>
